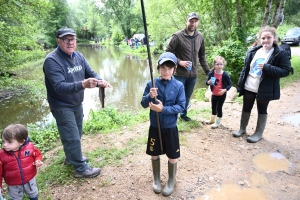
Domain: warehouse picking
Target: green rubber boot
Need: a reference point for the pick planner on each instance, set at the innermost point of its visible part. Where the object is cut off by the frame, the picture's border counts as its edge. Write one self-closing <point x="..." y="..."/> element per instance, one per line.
<point x="260" y="127"/>
<point x="156" y="185"/>
<point x="170" y="185"/>
<point x="244" y="123"/>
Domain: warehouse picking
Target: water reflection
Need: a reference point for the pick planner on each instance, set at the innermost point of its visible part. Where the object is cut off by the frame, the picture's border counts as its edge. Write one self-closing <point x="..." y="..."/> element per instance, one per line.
<point x="126" y="73"/>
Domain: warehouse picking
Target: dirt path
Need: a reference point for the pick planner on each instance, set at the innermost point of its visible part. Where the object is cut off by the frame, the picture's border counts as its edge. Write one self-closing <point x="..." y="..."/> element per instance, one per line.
<point x="213" y="164"/>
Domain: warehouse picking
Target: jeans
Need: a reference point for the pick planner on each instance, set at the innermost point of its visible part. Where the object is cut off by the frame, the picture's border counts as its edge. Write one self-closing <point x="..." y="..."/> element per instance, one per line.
<point x="69" y="125"/>
<point x="189" y="84"/>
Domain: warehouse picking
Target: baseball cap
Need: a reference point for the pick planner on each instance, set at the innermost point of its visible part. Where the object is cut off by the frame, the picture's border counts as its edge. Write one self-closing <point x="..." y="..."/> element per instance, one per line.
<point x="65" y="31"/>
<point x="193" y="15"/>
<point x="167" y="56"/>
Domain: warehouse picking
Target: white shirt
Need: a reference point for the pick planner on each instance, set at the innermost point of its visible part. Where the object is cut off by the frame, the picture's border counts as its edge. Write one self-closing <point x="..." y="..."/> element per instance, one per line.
<point x="253" y="78"/>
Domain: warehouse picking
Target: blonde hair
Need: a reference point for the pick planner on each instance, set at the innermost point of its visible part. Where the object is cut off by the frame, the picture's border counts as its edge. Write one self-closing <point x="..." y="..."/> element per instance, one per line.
<point x="272" y="30"/>
<point x="218" y="58"/>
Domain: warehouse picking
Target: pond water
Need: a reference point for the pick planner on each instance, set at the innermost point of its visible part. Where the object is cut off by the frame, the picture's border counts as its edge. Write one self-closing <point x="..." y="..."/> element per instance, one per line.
<point x="127" y="74"/>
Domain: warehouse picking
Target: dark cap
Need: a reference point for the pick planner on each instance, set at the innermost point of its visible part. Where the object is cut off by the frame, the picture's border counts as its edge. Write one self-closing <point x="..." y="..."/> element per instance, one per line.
<point x="65" y="31"/>
<point x="193" y="15"/>
<point x="167" y="56"/>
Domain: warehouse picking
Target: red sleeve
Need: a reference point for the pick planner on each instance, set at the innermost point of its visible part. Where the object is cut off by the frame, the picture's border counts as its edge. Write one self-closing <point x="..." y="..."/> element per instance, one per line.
<point x="1" y="174"/>
<point x="37" y="154"/>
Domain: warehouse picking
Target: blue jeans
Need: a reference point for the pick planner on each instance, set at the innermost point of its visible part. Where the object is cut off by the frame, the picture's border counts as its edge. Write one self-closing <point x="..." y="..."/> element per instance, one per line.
<point x="189" y="84"/>
<point x="69" y="125"/>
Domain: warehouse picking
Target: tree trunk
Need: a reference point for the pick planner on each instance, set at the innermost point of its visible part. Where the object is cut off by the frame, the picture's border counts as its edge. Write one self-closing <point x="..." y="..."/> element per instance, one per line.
<point x="278" y="13"/>
<point x="267" y="13"/>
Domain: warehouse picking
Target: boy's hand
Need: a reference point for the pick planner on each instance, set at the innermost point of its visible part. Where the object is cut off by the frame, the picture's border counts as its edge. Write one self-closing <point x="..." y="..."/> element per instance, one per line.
<point x="156" y="107"/>
<point x="153" y="92"/>
<point x="38" y="163"/>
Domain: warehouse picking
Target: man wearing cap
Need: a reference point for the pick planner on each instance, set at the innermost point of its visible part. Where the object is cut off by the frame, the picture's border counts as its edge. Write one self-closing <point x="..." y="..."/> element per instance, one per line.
<point x="188" y="46"/>
<point x="170" y="100"/>
<point x="67" y="74"/>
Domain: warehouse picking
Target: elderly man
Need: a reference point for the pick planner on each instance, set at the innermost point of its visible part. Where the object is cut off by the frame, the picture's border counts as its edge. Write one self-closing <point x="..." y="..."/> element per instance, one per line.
<point x="188" y="46"/>
<point x="67" y="74"/>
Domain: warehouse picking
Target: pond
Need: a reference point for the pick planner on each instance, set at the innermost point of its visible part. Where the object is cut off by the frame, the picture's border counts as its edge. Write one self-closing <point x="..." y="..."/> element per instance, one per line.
<point x="127" y="74"/>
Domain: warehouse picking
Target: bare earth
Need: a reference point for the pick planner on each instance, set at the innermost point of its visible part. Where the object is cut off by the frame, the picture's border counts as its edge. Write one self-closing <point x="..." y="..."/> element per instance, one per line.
<point x="213" y="164"/>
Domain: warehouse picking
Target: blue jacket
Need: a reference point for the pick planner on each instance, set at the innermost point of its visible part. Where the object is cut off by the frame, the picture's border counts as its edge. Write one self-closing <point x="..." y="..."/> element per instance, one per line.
<point x="277" y="67"/>
<point x="171" y="94"/>
<point x="63" y="79"/>
<point x="226" y="82"/>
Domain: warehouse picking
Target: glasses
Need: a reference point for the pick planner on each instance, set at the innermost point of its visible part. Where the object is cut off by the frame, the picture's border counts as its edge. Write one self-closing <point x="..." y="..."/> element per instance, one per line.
<point x="68" y="41"/>
<point x="218" y="64"/>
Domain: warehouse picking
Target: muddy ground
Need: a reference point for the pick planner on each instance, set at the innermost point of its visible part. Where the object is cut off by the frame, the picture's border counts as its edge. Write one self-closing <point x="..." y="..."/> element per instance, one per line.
<point x="213" y="164"/>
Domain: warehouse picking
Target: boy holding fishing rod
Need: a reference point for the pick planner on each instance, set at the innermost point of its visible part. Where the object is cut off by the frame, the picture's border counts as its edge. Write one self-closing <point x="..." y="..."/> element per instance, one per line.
<point x="165" y="100"/>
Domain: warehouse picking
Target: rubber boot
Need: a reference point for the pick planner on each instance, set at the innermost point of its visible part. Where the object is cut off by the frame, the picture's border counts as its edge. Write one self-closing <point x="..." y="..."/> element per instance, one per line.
<point x="260" y="127"/>
<point x="244" y="123"/>
<point x="156" y="185"/>
<point x="217" y="123"/>
<point x="212" y="119"/>
<point x="170" y="185"/>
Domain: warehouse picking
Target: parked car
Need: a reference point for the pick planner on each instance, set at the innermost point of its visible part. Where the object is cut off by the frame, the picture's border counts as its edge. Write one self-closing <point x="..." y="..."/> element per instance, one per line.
<point x="292" y="36"/>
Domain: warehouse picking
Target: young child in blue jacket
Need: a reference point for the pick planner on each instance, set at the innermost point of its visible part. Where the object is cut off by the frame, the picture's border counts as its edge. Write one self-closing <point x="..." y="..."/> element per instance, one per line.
<point x="165" y="100"/>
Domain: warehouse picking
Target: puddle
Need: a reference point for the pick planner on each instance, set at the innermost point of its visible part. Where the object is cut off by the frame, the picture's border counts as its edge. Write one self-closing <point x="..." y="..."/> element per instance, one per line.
<point x="271" y="162"/>
<point x="258" y="179"/>
<point x="234" y="192"/>
<point x="295" y="119"/>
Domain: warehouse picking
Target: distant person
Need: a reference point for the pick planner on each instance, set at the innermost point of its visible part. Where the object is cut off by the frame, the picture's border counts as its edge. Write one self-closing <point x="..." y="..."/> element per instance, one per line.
<point x="220" y="83"/>
<point x="67" y="74"/>
<point x="259" y="80"/>
<point x="19" y="159"/>
<point x="188" y="46"/>
<point x="136" y="40"/>
<point x="170" y="101"/>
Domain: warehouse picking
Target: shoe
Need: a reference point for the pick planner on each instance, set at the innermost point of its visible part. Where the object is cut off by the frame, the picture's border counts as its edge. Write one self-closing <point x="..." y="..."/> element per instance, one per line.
<point x="186" y="118"/>
<point x="90" y="172"/>
<point x="67" y="162"/>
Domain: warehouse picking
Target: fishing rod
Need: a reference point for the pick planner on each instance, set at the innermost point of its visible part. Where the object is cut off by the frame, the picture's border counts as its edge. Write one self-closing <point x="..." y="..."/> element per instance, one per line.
<point x="151" y="70"/>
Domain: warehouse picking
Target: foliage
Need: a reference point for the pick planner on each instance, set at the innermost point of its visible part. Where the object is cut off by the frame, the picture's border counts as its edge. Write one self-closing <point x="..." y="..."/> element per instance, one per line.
<point x="117" y="37"/>
<point x="45" y="138"/>
<point x="234" y="53"/>
<point x="200" y="94"/>
<point x="58" y="11"/>
<point x="19" y="31"/>
<point x="292" y="77"/>
<point x="109" y="119"/>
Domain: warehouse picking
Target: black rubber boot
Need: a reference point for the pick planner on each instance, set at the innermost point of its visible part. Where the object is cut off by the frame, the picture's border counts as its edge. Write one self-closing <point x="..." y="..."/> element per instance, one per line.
<point x="260" y="127"/>
<point x="244" y="123"/>
<point x="170" y="185"/>
<point x="156" y="185"/>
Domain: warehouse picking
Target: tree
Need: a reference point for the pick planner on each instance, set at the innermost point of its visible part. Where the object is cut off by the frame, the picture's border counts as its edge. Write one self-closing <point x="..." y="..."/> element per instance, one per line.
<point x="277" y="13"/>
<point x="19" y="21"/>
<point x="124" y="14"/>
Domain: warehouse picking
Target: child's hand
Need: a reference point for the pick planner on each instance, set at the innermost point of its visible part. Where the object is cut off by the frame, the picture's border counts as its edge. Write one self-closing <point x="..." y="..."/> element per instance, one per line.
<point x="209" y="82"/>
<point x="153" y="92"/>
<point x="222" y="91"/>
<point x="38" y="163"/>
<point x="156" y="107"/>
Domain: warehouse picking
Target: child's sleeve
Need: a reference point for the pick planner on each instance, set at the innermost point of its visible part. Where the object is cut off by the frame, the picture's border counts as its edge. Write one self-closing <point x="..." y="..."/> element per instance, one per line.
<point x="146" y="97"/>
<point x="1" y="174"/>
<point x="37" y="154"/>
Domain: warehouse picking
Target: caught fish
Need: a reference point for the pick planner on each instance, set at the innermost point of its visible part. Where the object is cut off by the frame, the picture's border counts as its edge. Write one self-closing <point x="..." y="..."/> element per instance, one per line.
<point x="101" y="96"/>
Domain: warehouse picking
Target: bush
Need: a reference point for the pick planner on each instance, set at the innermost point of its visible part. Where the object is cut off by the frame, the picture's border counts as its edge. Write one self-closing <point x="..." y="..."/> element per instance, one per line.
<point x="234" y="53"/>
